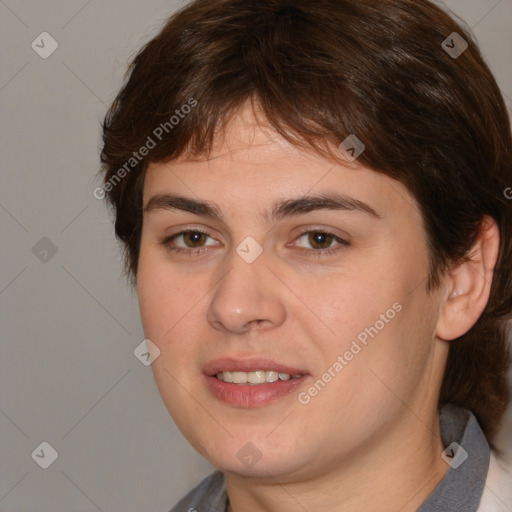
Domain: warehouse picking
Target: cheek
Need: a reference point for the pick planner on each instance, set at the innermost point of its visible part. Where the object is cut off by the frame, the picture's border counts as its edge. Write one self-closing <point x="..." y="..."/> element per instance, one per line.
<point x="384" y="310"/>
<point x="378" y="327"/>
<point x="172" y="308"/>
<point x="153" y="305"/>
<point x="162" y="296"/>
<point x="167" y="303"/>
<point x="354" y="306"/>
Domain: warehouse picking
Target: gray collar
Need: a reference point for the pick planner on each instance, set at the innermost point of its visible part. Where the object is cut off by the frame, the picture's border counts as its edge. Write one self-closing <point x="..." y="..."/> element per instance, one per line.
<point x="462" y="487"/>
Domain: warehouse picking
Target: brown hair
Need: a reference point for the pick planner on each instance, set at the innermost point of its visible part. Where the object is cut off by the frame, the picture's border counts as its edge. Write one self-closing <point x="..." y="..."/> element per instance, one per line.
<point x="322" y="70"/>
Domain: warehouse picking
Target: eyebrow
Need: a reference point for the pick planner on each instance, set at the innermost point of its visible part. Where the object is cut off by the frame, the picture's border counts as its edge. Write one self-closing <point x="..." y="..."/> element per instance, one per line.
<point x="279" y="210"/>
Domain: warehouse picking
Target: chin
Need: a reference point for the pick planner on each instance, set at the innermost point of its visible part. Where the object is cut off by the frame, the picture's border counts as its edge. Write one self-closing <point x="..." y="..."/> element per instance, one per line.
<point x="256" y="459"/>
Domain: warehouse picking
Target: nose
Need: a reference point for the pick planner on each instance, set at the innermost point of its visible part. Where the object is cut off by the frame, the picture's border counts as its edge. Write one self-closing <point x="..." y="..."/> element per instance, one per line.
<point x="247" y="298"/>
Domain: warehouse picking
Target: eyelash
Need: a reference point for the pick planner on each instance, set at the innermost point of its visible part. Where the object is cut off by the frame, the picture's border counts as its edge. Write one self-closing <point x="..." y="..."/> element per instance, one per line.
<point x="198" y="251"/>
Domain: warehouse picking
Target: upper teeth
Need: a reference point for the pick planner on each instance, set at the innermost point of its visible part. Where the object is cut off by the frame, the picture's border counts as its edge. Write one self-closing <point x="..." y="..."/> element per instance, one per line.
<point x="257" y="377"/>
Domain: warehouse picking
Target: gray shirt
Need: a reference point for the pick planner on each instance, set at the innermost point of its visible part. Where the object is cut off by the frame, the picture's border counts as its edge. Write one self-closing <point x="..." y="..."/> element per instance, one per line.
<point x="459" y="491"/>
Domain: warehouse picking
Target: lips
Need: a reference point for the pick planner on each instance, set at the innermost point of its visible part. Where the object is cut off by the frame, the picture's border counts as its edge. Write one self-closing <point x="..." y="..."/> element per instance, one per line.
<point x="229" y="364"/>
<point x="252" y="395"/>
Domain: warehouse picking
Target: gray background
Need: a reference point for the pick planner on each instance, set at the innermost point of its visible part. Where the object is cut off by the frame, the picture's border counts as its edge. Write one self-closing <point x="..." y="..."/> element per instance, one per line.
<point x="68" y="375"/>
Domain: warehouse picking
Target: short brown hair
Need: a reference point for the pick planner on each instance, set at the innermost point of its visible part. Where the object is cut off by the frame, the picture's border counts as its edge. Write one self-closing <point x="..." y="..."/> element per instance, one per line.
<point x="323" y="70"/>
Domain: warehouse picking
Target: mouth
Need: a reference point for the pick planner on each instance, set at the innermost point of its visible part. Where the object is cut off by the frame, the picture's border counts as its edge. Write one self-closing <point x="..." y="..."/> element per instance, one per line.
<point x="256" y="377"/>
<point x="252" y="382"/>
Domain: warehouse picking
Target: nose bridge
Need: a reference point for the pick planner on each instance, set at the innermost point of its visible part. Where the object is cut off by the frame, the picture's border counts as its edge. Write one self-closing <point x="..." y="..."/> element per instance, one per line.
<point x="247" y="293"/>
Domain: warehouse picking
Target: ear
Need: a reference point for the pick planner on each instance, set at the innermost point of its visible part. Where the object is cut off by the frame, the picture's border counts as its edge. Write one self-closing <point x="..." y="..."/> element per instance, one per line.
<point x="468" y="284"/>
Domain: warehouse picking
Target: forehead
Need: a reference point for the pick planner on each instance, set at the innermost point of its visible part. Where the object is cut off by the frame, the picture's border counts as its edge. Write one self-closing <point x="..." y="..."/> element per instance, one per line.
<point x="250" y="163"/>
<point x="248" y="138"/>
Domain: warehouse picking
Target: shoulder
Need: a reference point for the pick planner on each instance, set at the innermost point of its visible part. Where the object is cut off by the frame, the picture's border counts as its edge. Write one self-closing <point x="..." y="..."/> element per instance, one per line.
<point x="497" y="495"/>
<point x="209" y="494"/>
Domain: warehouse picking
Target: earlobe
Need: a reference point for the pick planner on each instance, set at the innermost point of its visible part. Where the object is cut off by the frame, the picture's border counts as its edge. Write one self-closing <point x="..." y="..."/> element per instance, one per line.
<point x="469" y="285"/>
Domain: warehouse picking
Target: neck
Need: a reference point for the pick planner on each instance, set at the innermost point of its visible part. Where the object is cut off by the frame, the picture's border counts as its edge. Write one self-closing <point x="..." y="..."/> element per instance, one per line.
<point x="399" y="474"/>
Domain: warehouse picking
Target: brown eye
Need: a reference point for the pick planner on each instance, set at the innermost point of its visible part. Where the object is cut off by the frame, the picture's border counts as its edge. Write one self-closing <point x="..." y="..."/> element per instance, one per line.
<point x="320" y="240"/>
<point x="191" y="241"/>
<point x="321" y="243"/>
<point x="193" y="238"/>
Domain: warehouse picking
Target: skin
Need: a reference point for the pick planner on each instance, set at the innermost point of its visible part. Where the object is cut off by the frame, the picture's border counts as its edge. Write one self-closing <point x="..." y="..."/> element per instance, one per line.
<point x="370" y="439"/>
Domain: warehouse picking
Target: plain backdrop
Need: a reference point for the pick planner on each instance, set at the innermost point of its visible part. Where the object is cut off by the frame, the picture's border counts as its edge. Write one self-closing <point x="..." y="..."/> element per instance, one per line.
<point x="70" y="324"/>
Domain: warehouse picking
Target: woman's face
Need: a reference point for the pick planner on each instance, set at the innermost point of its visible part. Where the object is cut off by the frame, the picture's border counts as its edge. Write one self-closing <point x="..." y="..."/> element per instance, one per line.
<point x="326" y="302"/>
